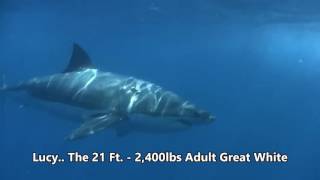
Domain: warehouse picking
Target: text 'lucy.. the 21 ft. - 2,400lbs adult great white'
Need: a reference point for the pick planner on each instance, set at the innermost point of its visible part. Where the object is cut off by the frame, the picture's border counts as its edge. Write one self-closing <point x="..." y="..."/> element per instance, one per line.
<point x="112" y="99"/>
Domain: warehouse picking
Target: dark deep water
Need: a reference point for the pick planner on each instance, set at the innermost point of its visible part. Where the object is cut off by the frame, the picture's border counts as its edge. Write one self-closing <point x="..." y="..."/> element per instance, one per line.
<point x="254" y="64"/>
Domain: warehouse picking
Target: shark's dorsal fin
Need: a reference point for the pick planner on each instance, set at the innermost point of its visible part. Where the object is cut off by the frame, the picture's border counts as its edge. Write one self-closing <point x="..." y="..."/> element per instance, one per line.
<point x="79" y="60"/>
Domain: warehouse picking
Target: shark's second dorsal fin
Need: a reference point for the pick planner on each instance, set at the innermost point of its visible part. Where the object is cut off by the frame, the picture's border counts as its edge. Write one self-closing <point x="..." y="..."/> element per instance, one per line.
<point x="79" y="60"/>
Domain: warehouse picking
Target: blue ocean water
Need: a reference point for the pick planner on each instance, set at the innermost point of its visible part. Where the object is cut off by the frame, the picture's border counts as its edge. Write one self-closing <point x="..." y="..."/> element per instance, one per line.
<point x="253" y="64"/>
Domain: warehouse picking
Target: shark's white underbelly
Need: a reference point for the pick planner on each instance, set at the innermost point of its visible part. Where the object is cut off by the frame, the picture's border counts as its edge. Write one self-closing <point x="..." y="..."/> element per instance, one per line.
<point x="135" y="122"/>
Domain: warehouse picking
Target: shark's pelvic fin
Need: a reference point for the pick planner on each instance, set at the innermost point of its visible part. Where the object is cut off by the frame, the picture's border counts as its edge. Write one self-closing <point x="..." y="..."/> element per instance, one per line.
<point x="79" y="60"/>
<point x="98" y="122"/>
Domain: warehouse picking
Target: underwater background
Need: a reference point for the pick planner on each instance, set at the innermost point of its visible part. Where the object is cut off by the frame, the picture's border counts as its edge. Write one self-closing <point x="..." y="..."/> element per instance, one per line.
<point x="255" y="64"/>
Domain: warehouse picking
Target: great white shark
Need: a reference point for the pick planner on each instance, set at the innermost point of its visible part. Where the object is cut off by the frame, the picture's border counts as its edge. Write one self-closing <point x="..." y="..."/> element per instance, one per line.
<point x="112" y="100"/>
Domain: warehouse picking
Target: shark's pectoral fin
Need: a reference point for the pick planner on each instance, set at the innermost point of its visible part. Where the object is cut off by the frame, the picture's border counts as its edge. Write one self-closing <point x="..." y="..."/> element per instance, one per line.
<point x="98" y="122"/>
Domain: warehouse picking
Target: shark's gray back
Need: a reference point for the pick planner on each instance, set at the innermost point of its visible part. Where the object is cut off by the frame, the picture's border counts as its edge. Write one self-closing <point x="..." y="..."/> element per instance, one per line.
<point x="89" y="88"/>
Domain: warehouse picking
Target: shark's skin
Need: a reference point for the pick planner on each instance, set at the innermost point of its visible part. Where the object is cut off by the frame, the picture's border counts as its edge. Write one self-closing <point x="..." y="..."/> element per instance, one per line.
<point x="104" y="91"/>
<point x="113" y="98"/>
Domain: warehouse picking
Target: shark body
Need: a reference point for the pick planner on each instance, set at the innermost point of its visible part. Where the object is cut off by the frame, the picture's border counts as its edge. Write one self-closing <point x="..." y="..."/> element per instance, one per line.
<point x="112" y="99"/>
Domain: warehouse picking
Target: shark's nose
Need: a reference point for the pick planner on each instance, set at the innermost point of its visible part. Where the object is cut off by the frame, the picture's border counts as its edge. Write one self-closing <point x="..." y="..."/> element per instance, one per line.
<point x="207" y="116"/>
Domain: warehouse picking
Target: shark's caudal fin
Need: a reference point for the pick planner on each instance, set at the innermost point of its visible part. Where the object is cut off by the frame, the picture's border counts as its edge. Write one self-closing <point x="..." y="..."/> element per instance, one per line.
<point x="79" y="60"/>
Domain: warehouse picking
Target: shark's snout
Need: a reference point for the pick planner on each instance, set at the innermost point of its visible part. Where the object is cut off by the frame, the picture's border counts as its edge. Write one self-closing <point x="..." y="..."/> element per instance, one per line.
<point x="196" y="116"/>
<point x="205" y="116"/>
